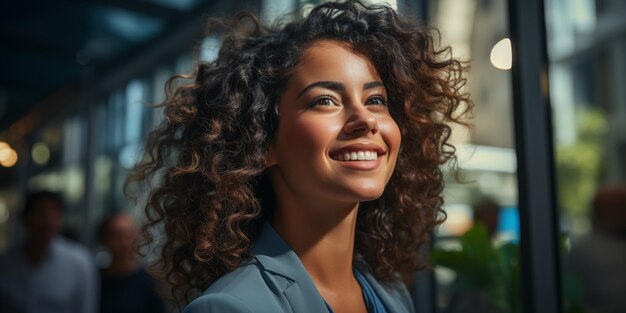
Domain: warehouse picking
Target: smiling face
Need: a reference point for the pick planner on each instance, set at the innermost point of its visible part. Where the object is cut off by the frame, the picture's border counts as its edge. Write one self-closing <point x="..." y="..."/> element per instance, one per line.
<point x="336" y="141"/>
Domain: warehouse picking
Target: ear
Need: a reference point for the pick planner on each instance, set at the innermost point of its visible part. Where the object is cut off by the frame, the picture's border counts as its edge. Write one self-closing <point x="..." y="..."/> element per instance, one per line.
<point x="270" y="156"/>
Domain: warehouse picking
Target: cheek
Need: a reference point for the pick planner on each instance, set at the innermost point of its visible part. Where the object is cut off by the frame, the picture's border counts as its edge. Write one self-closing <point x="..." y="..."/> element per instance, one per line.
<point x="393" y="139"/>
<point x="307" y="136"/>
<point x="391" y="135"/>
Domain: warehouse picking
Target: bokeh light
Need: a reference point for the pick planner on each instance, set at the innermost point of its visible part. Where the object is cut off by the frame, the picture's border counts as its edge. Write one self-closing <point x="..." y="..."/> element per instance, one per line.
<point x="502" y="55"/>
<point x="40" y="153"/>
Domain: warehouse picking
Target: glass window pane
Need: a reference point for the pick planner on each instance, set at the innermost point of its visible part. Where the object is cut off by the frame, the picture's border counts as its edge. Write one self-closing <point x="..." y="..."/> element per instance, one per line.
<point x="476" y="251"/>
<point x="587" y="52"/>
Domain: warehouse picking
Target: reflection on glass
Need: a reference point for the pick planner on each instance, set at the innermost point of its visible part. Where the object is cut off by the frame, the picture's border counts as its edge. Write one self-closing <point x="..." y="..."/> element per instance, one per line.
<point x="135" y="98"/>
<point x="587" y="51"/>
<point x="476" y="251"/>
<point x="74" y="135"/>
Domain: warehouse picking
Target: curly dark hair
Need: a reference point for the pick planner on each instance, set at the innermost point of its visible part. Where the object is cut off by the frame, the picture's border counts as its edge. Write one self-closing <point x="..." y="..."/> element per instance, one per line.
<point x="209" y="152"/>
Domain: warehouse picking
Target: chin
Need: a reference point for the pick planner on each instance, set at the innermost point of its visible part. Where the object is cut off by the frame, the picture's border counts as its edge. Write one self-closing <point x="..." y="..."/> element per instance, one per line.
<point x="363" y="190"/>
<point x="369" y="195"/>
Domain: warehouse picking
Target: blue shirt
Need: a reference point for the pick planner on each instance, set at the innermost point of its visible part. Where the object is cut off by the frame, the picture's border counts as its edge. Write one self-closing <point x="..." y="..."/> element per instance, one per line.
<point x="372" y="302"/>
<point x="134" y="292"/>
<point x="64" y="282"/>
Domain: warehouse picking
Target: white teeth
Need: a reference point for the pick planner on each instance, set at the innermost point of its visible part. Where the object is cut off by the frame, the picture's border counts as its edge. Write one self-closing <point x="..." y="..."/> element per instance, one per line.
<point x="357" y="156"/>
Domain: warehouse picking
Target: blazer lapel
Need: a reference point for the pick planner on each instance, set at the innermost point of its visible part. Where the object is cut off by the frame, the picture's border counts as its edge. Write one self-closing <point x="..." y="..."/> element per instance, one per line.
<point x="275" y="256"/>
<point x="393" y="303"/>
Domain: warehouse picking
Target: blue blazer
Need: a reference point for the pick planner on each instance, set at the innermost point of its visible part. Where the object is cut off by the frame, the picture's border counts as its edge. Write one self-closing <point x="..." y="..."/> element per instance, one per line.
<point x="275" y="281"/>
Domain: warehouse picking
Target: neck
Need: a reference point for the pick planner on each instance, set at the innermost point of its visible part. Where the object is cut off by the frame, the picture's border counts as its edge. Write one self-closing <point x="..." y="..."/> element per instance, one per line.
<point x="323" y="240"/>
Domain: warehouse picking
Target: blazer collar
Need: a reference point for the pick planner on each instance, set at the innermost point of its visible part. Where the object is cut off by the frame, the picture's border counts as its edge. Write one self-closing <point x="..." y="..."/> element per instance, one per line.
<point x="275" y="256"/>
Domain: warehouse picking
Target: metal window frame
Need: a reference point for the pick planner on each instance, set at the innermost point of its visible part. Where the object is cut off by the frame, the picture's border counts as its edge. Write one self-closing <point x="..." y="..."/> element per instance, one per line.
<point x="540" y="265"/>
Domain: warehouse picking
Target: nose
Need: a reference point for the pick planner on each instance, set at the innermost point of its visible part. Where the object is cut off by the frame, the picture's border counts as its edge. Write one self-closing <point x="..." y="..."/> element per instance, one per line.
<point x="360" y="121"/>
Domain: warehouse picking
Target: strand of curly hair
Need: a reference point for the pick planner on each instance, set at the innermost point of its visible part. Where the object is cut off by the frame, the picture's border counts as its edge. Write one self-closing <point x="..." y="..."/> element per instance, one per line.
<point x="210" y="199"/>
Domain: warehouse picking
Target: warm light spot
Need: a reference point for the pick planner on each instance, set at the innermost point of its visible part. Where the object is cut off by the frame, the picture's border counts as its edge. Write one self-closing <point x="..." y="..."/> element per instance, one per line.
<point x="40" y="153"/>
<point x="502" y="54"/>
<point x="10" y="159"/>
<point x="5" y="150"/>
<point x="458" y="221"/>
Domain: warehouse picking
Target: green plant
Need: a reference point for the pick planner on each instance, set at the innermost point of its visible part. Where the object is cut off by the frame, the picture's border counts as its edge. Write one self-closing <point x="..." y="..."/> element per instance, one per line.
<point x="484" y="268"/>
<point x="494" y="271"/>
<point x="578" y="165"/>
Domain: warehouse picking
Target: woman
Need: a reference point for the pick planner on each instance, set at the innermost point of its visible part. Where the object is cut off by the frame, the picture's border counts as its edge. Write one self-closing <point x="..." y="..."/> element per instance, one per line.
<point x="306" y="170"/>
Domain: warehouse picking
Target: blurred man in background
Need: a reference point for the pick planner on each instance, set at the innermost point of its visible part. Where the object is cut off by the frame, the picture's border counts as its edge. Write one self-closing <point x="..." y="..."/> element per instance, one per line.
<point x="45" y="272"/>
<point x="126" y="286"/>
<point x="599" y="259"/>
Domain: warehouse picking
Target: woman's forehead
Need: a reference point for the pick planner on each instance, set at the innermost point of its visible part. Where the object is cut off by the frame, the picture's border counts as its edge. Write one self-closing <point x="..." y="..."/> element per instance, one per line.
<point x="331" y="60"/>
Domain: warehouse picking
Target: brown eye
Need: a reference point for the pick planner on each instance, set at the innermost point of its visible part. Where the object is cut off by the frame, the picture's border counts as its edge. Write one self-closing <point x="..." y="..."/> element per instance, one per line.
<point x="323" y="101"/>
<point x="376" y="101"/>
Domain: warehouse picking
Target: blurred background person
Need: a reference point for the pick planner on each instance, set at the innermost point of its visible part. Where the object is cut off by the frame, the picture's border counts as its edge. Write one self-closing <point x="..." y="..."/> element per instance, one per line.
<point x="469" y="298"/>
<point x="599" y="258"/>
<point x="126" y="286"/>
<point x="487" y="213"/>
<point x="46" y="272"/>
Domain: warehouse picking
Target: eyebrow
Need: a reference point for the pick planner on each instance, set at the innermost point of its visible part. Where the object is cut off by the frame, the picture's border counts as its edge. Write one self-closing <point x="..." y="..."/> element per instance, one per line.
<point x="338" y="86"/>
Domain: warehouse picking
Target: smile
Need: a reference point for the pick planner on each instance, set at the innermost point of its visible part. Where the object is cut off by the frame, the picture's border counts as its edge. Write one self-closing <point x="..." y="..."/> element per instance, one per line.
<point x="355" y="156"/>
